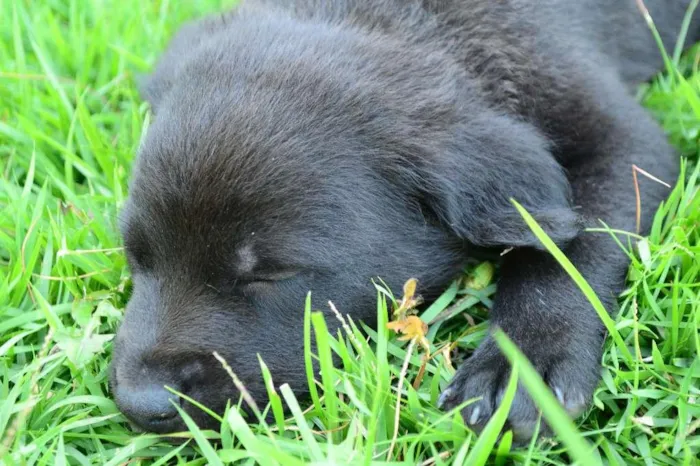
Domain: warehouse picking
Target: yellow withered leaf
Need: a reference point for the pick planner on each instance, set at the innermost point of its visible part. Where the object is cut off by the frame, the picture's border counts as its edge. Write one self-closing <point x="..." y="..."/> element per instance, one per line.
<point x="411" y="327"/>
<point x="409" y="288"/>
<point x="409" y="300"/>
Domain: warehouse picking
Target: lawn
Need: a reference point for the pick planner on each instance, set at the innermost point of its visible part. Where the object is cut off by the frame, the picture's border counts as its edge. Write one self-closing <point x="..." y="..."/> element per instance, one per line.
<point x="70" y="124"/>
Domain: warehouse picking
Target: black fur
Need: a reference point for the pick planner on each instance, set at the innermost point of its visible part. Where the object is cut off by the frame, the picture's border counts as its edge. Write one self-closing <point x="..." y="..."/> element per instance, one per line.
<point x="313" y="145"/>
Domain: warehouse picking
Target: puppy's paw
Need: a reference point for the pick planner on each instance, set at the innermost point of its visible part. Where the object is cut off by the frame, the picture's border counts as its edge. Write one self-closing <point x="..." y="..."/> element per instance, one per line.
<point x="572" y="378"/>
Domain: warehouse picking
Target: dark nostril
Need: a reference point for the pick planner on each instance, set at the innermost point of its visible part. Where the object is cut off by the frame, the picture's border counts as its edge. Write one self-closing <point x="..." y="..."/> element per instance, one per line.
<point x="150" y="406"/>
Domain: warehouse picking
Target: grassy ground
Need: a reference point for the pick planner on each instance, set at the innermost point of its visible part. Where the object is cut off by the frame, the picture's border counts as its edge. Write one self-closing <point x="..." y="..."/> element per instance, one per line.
<point x="70" y="123"/>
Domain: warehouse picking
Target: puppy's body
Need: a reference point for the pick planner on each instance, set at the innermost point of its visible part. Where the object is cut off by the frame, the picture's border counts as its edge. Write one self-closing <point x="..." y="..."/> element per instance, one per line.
<point x="314" y="145"/>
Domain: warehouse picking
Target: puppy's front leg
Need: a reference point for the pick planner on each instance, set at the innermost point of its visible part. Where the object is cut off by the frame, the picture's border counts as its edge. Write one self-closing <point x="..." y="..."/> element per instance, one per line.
<point x="537" y="303"/>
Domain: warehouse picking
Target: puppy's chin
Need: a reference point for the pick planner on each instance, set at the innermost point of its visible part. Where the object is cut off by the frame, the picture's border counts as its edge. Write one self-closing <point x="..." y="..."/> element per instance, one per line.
<point x="180" y="433"/>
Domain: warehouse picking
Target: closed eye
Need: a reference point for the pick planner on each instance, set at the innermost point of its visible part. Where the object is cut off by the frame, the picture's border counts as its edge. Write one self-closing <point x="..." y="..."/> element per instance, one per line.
<point x="274" y="276"/>
<point x="261" y="282"/>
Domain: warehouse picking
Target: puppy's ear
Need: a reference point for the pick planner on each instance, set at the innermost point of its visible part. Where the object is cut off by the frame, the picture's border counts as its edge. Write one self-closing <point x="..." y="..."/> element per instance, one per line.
<point x="496" y="158"/>
<point x="155" y="86"/>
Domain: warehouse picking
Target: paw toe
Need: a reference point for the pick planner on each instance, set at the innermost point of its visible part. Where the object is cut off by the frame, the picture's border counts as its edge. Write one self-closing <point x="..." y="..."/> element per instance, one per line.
<point x="483" y="379"/>
<point x="573" y="385"/>
<point x="573" y="401"/>
<point x="476" y="415"/>
<point x="445" y="399"/>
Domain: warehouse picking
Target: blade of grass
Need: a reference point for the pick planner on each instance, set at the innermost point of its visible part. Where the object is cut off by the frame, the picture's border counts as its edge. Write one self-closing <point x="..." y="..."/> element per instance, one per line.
<point x="308" y="357"/>
<point x="330" y="396"/>
<point x="307" y="436"/>
<point x="202" y="442"/>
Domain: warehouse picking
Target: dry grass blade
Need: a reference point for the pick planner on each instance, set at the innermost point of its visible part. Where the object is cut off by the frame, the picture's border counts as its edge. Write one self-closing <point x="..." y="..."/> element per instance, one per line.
<point x="397" y="408"/>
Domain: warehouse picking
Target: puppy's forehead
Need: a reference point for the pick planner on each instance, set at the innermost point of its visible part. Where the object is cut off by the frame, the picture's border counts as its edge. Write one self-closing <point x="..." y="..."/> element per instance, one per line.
<point x="202" y="209"/>
<point x="223" y="160"/>
<point x="216" y="177"/>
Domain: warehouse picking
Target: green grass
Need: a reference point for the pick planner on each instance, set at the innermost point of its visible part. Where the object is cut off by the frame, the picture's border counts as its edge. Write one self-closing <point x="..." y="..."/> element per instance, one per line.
<point x="70" y="123"/>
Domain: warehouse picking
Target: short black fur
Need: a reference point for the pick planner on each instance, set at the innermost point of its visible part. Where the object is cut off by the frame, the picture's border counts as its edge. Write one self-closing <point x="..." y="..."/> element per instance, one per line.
<point x="315" y="145"/>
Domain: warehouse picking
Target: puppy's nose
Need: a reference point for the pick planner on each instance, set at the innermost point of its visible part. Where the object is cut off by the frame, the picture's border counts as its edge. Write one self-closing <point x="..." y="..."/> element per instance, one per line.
<point x="150" y="406"/>
<point x="140" y="393"/>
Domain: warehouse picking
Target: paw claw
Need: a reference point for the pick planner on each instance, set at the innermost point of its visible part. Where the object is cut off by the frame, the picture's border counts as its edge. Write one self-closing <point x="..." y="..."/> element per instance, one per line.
<point x="560" y="395"/>
<point x="442" y="400"/>
<point x="474" y="418"/>
<point x="574" y="402"/>
<point x="499" y="396"/>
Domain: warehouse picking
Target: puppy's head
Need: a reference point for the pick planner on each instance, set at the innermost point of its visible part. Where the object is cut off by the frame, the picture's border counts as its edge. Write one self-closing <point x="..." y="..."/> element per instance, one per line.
<point x="288" y="157"/>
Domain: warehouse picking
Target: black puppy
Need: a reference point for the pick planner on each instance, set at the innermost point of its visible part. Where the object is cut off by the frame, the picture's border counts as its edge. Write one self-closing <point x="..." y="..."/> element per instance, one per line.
<point x="314" y="145"/>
